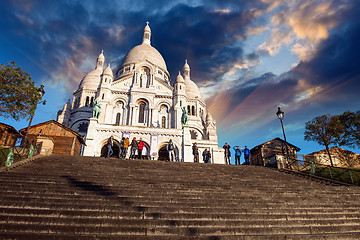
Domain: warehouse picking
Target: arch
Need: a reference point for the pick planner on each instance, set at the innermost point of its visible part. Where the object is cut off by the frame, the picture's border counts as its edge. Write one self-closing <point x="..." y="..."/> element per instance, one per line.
<point x="73" y="127"/>
<point x="166" y="103"/>
<point x="163" y="153"/>
<point x="120" y="100"/>
<point x="115" y="148"/>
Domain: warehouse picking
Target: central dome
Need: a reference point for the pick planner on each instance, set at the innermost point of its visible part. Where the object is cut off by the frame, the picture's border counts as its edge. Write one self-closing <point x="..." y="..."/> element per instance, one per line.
<point x="144" y="52"/>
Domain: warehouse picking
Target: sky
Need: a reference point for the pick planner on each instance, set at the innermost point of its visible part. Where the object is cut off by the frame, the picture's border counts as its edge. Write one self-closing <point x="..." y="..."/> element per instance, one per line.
<point x="247" y="57"/>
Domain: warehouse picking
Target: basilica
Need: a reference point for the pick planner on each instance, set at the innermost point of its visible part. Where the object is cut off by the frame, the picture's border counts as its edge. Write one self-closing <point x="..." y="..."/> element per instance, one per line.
<point x="139" y="101"/>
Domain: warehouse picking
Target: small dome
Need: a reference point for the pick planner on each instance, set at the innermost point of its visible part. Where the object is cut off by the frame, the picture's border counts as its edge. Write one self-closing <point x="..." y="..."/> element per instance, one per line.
<point x="147" y="27"/>
<point x="191" y="89"/>
<point x="186" y="66"/>
<point x="108" y="71"/>
<point x="91" y="80"/>
<point x="101" y="56"/>
<point x="180" y="79"/>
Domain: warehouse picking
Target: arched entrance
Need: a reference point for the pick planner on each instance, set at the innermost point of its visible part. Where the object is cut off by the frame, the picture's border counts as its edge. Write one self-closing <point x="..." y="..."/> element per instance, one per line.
<point x="115" y="148"/>
<point x="164" y="154"/>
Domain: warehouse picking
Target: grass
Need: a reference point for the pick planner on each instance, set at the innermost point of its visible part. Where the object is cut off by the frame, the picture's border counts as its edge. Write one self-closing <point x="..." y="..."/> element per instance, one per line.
<point x="339" y="174"/>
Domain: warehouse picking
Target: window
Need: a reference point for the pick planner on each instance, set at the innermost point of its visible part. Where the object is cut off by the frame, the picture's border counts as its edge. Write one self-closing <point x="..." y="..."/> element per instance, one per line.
<point x="142" y="112"/>
<point x="105" y="79"/>
<point x="92" y="102"/>
<point x="83" y="127"/>
<point x="193" y="111"/>
<point x="118" y="117"/>
<point x="163" y="122"/>
<point x="180" y="103"/>
<point x="188" y="108"/>
<point x="87" y="101"/>
<point x="180" y="87"/>
<point x="193" y="134"/>
<point x="103" y="96"/>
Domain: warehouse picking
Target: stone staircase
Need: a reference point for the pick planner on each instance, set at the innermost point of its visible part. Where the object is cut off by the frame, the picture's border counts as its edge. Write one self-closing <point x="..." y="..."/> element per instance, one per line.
<point x="69" y="197"/>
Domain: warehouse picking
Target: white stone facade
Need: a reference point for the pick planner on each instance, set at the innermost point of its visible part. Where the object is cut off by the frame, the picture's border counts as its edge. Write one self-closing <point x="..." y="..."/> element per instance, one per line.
<point x="139" y="101"/>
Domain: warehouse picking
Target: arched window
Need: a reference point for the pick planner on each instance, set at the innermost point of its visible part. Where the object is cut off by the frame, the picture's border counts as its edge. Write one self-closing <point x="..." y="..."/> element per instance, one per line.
<point x="163" y="122"/>
<point x="103" y="96"/>
<point x="189" y="112"/>
<point x="105" y="79"/>
<point x="83" y="127"/>
<point x="118" y="117"/>
<point x="180" y="103"/>
<point x="92" y="102"/>
<point x="87" y="101"/>
<point x="142" y="112"/>
<point x="193" y="111"/>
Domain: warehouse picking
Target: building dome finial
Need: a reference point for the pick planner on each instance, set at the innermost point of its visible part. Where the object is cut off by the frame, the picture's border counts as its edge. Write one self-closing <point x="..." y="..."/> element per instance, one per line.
<point x="146" y="34"/>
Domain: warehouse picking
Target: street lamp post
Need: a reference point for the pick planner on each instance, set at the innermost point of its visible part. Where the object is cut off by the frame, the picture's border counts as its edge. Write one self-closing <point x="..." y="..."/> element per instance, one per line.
<point x="280" y="115"/>
<point x="41" y="92"/>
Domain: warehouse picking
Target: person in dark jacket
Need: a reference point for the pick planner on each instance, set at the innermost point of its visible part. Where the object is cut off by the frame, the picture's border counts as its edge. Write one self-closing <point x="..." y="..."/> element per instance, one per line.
<point x="195" y="151"/>
<point x="237" y="155"/>
<point x="134" y="146"/>
<point x="109" y="146"/>
<point x="171" y="150"/>
<point x="206" y="156"/>
<point x="227" y="153"/>
<point x="246" y="155"/>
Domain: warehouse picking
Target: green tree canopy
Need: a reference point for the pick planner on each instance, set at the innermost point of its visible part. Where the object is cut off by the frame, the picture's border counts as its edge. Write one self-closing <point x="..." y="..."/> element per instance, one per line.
<point x="18" y="94"/>
<point x="350" y="132"/>
<point x="324" y="130"/>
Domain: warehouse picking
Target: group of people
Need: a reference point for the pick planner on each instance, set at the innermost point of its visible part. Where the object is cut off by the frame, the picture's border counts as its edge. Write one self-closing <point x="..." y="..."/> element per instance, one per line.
<point x="238" y="152"/>
<point x="135" y="146"/>
<point x="206" y="154"/>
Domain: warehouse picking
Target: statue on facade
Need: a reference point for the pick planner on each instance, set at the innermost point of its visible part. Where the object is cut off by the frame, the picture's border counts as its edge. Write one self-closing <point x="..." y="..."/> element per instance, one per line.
<point x="96" y="109"/>
<point x="184" y="117"/>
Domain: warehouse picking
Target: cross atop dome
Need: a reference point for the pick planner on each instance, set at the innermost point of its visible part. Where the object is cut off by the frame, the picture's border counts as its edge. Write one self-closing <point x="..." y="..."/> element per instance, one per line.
<point x="147" y="34"/>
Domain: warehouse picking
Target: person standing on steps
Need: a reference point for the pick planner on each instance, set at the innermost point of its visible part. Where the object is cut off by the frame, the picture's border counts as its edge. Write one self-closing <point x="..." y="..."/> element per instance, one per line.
<point x="227" y="153"/>
<point x="246" y="155"/>
<point x="195" y="151"/>
<point x="134" y="146"/>
<point x="126" y="146"/>
<point x="109" y="146"/>
<point x="237" y="155"/>
<point x="141" y="146"/>
<point x="206" y="156"/>
<point x="121" y="153"/>
<point x="171" y="150"/>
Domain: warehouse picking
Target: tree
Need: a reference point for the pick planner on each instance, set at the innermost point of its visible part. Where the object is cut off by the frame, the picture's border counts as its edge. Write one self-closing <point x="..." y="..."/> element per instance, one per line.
<point x="350" y="134"/>
<point x="324" y="130"/>
<point x="18" y="95"/>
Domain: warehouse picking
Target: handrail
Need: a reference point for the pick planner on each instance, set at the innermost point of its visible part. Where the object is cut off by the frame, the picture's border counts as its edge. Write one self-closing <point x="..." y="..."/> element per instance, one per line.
<point x="9" y="155"/>
<point x="309" y="165"/>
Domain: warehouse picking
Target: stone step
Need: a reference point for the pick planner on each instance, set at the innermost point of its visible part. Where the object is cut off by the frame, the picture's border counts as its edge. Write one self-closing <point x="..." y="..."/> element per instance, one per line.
<point x="174" y="230"/>
<point x="82" y="221"/>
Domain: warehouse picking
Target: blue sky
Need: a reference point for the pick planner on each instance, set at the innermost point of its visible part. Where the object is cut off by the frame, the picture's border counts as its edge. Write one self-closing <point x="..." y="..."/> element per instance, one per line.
<point x="248" y="57"/>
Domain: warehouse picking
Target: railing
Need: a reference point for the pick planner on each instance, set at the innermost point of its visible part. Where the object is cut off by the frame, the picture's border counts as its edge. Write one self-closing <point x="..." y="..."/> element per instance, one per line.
<point x="309" y="165"/>
<point x="10" y="155"/>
